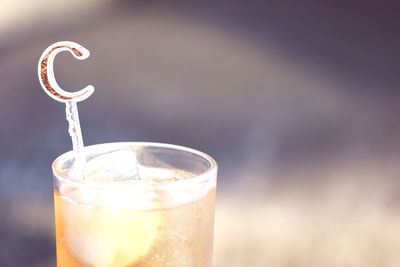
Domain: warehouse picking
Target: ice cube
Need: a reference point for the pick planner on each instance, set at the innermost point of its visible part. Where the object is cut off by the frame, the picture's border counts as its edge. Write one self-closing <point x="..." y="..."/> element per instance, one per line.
<point x="121" y="165"/>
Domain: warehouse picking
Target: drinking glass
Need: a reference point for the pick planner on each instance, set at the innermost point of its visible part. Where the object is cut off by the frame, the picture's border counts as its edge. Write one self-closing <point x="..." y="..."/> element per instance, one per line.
<point x="137" y="204"/>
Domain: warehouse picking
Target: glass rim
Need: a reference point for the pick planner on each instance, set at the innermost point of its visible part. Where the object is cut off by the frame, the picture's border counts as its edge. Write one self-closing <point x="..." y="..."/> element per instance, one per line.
<point x="62" y="176"/>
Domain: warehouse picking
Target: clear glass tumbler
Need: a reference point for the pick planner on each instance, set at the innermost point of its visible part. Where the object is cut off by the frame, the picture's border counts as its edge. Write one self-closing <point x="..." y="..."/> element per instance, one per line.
<point x="139" y="204"/>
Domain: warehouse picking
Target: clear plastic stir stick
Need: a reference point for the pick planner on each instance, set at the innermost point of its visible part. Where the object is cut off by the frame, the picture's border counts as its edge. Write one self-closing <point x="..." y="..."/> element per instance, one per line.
<point x="51" y="87"/>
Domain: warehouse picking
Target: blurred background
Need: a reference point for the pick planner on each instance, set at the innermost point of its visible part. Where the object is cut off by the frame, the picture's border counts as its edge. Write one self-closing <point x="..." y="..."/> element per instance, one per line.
<point x="298" y="101"/>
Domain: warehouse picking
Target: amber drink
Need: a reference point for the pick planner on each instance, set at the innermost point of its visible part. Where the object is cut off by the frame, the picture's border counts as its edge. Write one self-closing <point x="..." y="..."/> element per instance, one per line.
<point x="136" y="205"/>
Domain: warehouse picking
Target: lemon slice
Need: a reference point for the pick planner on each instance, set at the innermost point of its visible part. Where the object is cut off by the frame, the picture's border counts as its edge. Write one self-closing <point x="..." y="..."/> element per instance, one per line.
<point x="108" y="237"/>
